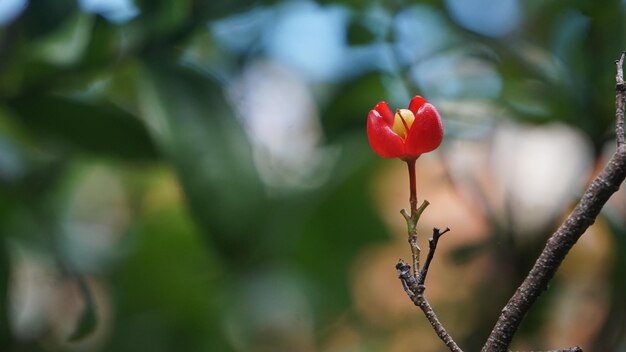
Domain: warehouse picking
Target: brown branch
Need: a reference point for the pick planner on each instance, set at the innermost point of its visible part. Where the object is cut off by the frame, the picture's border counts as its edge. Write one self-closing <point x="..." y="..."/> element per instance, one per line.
<point x="415" y="291"/>
<point x="620" y="95"/>
<point x="559" y="244"/>
<point x="432" y="246"/>
<point x="572" y="349"/>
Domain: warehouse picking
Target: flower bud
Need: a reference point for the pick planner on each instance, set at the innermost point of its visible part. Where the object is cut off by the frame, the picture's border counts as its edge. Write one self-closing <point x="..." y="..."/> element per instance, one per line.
<point x="407" y="134"/>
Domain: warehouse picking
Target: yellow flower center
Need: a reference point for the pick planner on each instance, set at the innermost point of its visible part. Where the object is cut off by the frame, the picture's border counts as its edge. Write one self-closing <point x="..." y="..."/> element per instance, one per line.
<point x="402" y="122"/>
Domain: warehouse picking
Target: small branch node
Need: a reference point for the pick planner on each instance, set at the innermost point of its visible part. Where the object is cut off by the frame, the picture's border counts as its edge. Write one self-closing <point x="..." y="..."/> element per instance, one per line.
<point x="420" y="210"/>
<point x="406" y="215"/>
<point x="402" y="268"/>
<point x="619" y="76"/>
<point x="407" y="289"/>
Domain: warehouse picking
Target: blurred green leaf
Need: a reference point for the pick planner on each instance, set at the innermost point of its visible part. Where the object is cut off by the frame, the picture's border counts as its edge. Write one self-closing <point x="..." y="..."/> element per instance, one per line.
<point x="358" y="33"/>
<point x="342" y="224"/>
<point x="99" y="128"/>
<point x="88" y="321"/>
<point x="194" y="126"/>
<point x="43" y="17"/>
<point x="67" y="44"/>
<point x="466" y="253"/>
<point x="5" y="332"/>
<point x="347" y="112"/>
<point x="168" y="286"/>
<point x="212" y="9"/>
<point x="354" y="4"/>
<point x="163" y="16"/>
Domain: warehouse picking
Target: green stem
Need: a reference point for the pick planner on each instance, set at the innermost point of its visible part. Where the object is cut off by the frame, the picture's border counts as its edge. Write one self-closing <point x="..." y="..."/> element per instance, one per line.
<point x="411" y="220"/>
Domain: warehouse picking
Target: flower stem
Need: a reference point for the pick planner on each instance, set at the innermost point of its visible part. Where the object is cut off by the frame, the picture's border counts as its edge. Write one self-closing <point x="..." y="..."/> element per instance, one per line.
<point x="412" y="186"/>
<point x="411" y="220"/>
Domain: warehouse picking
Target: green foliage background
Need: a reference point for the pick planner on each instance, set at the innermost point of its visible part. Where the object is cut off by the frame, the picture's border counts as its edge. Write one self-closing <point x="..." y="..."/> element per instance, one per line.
<point x="127" y="178"/>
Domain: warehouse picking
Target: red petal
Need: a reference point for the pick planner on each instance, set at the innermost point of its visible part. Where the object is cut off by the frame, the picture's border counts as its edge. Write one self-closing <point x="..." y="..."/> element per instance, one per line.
<point x="381" y="137"/>
<point x="383" y="109"/>
<point x="426" y="132"/>
<point x="416" y="103"/>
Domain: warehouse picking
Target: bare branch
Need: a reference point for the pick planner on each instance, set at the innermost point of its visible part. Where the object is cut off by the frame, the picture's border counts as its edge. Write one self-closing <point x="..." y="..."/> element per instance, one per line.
<point x="559" y="244"/>
<point x="572" y="349"/>
<point x="620" y="96"/>
<point x="415" y="292"/>
<point x="432" y="246"/>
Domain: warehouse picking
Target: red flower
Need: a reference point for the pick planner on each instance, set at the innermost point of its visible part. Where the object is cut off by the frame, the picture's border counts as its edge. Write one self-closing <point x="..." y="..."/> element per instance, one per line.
<point x="407" y="134"/>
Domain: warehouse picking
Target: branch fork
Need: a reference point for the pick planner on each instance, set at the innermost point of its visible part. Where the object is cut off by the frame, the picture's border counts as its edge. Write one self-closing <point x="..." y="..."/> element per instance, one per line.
<point x="414" y="287"/>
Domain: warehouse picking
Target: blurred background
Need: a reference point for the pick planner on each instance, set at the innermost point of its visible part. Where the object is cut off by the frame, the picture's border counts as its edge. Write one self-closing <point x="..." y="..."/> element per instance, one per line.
<point x="194" y="175"/>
